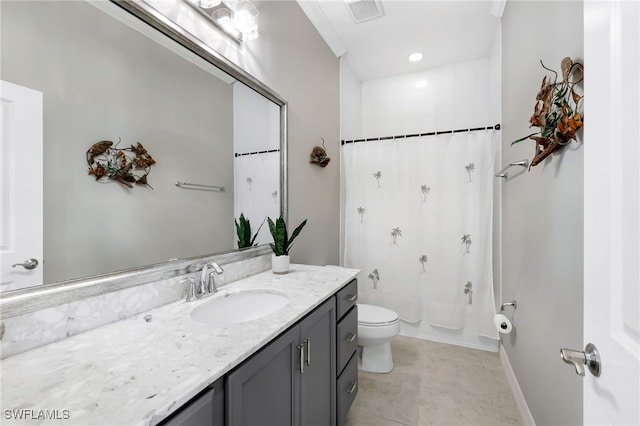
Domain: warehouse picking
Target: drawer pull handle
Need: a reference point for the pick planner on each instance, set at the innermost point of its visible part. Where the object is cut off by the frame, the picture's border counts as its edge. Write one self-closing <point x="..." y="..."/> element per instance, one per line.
<point x="353" y="388"/>
<point x="307" y="343"/>
<point x="301" y="349"/>
<point x="352" y="298"/>
<point x="351" y="337"/>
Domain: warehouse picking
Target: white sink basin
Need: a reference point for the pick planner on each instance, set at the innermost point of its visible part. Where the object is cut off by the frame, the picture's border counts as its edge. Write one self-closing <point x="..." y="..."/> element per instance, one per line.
<point x="236" y="307"/>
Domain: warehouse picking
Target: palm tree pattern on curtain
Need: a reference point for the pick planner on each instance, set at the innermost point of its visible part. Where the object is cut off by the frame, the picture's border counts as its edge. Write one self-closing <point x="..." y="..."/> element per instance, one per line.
<point x="469" y="168"/>
<point x="397" y="232"/>
<point x="361" y="212"/>
<point x="378" y="176"/>
<point x="425" y="190"/>
<point x="466" y="240"/>
<point x="423" y="260"/>
<point x="374" y="276"/>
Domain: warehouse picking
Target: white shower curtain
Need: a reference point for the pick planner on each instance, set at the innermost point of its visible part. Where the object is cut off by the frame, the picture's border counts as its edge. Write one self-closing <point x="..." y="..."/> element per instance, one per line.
<point x="418" y="223"/>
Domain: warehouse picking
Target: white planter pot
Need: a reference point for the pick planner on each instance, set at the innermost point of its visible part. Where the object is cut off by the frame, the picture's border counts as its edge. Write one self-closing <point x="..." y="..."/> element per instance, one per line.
<point x="280" y="264"/>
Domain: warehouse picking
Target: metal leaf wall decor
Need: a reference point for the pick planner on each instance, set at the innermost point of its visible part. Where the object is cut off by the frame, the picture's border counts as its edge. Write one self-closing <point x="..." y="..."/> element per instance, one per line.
<point x="556" y="112"/>
<point x="125" y="165"/>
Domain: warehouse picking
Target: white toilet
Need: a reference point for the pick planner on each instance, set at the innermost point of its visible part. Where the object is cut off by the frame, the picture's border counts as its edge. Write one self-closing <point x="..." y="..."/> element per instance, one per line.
<point x="376" y="327"/>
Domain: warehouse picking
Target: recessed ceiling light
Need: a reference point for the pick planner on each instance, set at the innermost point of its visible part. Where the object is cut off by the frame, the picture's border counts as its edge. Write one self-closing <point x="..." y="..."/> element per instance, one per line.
<point x="421" y="83"/>
<point x="415" y="57"/>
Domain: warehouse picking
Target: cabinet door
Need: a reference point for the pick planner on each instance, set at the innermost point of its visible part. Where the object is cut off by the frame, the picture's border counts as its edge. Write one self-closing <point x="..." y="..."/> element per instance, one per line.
<point x="201" y="411"/>
<point x="264" y="391"/>
<point x="317" y="381"/>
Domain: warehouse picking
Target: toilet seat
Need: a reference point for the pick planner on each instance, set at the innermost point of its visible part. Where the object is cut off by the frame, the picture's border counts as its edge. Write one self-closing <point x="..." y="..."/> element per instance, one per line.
<point x="376" y="316"/>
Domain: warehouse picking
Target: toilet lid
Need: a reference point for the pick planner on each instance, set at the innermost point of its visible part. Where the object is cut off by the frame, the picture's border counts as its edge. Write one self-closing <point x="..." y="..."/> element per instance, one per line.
<point x="375" y="315"/>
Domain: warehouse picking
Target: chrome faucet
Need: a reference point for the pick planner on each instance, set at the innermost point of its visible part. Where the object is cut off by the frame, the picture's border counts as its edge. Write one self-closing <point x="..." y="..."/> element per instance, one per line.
<point x="209" y="286"/>
<point x="191" y="289"/>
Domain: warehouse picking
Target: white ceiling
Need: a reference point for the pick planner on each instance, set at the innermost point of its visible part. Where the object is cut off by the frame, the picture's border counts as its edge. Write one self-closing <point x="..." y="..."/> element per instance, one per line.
<point x="445" y="31"/>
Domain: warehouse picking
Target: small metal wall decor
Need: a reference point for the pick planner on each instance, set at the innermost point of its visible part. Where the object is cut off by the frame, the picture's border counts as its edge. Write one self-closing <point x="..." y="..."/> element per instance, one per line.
<point x="319" y="155"/>
<point x="109" y="162"/>
<point x="556" y="111"/>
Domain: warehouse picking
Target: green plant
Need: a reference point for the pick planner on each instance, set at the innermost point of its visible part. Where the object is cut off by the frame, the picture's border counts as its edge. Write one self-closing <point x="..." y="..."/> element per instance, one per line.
<point x="281" y="241"/>
<point x="243" y="230"/>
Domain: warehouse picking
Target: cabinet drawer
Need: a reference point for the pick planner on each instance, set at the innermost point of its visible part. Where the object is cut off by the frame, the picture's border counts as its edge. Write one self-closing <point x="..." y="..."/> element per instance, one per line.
<point x="347" y="389"/>
<point x="346" y="298"/>
<point x="347" y="338"/>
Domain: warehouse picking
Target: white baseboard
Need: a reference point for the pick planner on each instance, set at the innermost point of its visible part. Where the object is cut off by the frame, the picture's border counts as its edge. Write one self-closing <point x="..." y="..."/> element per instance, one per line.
<point x="521" y="403"/>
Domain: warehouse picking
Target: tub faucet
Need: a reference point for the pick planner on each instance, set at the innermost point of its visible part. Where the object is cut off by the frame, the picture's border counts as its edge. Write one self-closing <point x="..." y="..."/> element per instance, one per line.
<point x="209" y="286"/>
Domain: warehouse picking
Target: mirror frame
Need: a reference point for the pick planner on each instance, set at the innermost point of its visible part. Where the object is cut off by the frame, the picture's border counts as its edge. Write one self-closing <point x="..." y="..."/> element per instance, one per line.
<point x="18" y="302"/>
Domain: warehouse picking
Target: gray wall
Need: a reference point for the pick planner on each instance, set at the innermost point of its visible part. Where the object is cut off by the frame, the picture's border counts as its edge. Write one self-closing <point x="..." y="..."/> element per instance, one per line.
<point x="104" y="80"/>
<point x="542" y="217"/>
<point x="292" y="58"/>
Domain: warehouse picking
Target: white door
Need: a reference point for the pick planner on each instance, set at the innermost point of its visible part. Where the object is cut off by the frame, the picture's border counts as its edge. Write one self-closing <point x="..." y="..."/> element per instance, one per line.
<point x="612" y="212"/>
<point x="20" y="186"/>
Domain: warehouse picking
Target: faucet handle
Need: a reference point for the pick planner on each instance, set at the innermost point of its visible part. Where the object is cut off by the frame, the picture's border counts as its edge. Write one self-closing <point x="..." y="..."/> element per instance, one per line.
<point x="191" y="290"/>
<point x="211" y="284"/>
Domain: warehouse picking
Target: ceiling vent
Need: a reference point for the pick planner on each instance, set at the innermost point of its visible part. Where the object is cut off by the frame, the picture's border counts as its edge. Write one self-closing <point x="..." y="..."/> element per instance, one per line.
<point x="365" y="10"/>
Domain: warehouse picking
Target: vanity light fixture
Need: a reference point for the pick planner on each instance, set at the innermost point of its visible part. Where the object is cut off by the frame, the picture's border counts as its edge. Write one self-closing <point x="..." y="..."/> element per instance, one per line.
<point x="238" y="19"/>
<point x="415" y="57"/>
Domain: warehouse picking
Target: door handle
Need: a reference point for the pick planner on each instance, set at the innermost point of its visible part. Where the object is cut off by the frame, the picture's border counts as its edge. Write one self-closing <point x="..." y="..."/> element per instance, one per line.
<point x="301" y="349"/>
<point x="307" y="344"/>
<point x="27" y="264"/>
<point x="590" y="357"/>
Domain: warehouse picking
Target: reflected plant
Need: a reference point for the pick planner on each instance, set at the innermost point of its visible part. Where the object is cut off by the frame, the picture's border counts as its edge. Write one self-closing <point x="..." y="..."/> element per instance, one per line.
<point x="243" y="231"/>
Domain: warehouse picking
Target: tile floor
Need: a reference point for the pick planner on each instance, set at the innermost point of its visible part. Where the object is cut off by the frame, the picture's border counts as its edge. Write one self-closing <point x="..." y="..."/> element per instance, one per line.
<point x="435" y="384"/>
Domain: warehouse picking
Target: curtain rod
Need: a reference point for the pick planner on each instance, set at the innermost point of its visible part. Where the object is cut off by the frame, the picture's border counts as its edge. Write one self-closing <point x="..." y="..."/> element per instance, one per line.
<point x="255" y="152"/>
<point x="414" y="135"/>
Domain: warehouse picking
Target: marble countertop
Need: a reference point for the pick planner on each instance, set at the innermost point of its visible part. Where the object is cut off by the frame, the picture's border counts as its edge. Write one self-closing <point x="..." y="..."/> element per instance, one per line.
<point x="134" y="372"/>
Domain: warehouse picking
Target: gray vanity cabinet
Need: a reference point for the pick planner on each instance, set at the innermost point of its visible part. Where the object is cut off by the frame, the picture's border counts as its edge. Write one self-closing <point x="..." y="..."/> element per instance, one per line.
<point x="292" y="380"/>
<point x="207" y="408"/>
<point x="346" y="347"/>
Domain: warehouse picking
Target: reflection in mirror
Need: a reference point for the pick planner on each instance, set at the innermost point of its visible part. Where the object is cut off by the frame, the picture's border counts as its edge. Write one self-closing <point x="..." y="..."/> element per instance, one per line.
<point x="105" y="75"/>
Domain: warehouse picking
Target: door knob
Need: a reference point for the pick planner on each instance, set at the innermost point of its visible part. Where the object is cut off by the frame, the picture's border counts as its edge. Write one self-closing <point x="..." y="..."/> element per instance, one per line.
<point x="590" y="357"/>
<point x="27" y="264"/>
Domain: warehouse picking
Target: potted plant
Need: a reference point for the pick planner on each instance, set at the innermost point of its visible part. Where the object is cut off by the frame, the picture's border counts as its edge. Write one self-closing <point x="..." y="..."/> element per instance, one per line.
<point x="243" y="231"/>
<point x="282" y="244"/>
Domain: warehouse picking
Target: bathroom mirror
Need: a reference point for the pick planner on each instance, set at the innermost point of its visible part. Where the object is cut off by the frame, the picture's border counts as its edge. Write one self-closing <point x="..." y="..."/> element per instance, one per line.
<point x="121" y="72"/>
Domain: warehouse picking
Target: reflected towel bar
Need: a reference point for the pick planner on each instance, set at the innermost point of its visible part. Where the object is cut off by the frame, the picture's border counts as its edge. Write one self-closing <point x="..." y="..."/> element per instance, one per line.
<point x="503" y="173"/>
<point x="187" y="185"/>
